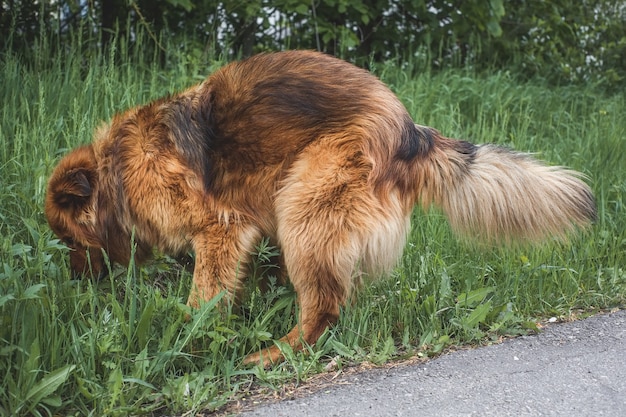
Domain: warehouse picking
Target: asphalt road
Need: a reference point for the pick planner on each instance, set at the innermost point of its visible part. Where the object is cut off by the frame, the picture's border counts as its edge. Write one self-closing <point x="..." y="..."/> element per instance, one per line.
<point x="570" y="369"/>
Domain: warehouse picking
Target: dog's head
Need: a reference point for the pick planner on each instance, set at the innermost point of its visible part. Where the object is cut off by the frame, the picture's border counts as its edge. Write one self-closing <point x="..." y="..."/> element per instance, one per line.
<point x="71" y="210"/>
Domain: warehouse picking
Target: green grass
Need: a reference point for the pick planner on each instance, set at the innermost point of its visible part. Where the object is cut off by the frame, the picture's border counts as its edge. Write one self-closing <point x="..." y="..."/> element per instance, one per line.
<point x="122" y="346"/>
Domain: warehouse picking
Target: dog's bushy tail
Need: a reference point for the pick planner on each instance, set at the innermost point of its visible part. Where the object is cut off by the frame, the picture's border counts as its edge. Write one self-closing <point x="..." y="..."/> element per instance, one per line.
<point x="493" y="194"/>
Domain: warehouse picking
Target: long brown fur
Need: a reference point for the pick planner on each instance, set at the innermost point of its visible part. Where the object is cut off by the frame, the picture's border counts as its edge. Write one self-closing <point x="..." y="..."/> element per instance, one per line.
<point x="308" y="150"/>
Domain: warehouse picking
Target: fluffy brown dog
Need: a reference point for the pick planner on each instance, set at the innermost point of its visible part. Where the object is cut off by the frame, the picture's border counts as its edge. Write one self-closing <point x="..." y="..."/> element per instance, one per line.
<point x="308" y="150"/>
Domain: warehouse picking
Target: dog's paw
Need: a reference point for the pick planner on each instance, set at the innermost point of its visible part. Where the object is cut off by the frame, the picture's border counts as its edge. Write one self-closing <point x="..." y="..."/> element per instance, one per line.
<point x="265" y="358"/>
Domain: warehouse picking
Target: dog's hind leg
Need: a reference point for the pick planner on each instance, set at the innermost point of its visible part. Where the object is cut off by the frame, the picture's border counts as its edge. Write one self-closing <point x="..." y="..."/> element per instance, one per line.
<point x="222" y="255"/>
<point x="323" y="218"/>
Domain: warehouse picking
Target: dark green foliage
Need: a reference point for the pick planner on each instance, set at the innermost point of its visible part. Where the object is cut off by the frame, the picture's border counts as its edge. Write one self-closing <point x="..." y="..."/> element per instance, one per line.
<point x="563" y="41"/>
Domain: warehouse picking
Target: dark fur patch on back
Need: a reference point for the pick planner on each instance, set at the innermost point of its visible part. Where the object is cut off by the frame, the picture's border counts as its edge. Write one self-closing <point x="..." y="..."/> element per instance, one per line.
<point x="191" y="128"/>
<point x="313" y="105"/>
<point x="415" y="141"/>
<point x="466" y="148"/>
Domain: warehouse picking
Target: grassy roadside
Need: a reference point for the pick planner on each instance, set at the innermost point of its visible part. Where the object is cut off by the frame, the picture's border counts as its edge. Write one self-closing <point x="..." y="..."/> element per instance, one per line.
<point x="121" y="346"/>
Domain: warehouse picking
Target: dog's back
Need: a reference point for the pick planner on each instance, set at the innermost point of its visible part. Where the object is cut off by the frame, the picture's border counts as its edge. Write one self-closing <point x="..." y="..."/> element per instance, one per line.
<point x="265" y="111"/>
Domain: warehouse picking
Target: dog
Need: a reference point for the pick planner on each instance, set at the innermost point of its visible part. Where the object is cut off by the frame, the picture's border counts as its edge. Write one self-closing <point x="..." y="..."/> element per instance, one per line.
<point x="308" y="150"/>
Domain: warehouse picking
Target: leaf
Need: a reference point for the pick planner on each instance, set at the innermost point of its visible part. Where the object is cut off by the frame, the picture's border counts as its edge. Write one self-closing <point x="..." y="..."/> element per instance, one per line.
<point x="342" y="349"/>
<point x="34" y="354"/>
<point x="141" y="382"/>
<point x="445" y="287"/>
<point x="474" y="297"/>
<point x="115" y="384"/>
<point x="6" y="298"/>
<point x="53" y="401"/>
<point x="477" y="316"/>
<point x="494" y="29"/>
<point x="429" y="305"/>
<point x="262" y="336"/>
<point x="497" y="8"/>
<point x="145" y="323"/>
<point x="199" y="317"/>
<point x="48" y="385"/>
<point x="531" y="325"/>
<point x="20" y="249"/>
<point x="32" y="292"/>
<point x="302" y="9"/>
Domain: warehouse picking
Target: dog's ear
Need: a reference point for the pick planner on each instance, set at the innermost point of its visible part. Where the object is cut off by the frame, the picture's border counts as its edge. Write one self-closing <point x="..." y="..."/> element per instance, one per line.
<point x="72" y="184"/>
<point x="74" y="189"/>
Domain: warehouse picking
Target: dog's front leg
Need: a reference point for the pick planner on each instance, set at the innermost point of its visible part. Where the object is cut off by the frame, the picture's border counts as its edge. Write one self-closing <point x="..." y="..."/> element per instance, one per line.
<point x="222" y="255"/>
